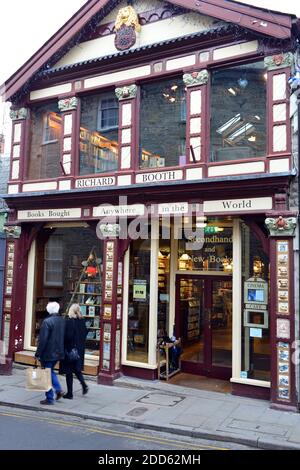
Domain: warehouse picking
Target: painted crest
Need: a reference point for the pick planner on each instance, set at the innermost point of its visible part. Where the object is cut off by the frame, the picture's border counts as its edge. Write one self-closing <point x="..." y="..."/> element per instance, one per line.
<point x="126" y="26"/>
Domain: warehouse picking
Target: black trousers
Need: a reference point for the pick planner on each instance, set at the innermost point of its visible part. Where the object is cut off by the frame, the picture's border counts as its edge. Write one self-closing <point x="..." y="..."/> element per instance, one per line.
<point x="69" y="380"/>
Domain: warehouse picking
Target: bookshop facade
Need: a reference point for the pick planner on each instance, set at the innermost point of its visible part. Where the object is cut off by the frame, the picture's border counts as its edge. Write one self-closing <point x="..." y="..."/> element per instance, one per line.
<point x="177" y="268"/>
<point x="152" y="181"/>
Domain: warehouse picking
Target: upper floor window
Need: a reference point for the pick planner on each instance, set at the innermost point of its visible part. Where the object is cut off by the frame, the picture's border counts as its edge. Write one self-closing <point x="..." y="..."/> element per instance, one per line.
<point x="99" y="134"/>
<point x="162" y="124"/>
<point x="46" y="134"/>
<point x="238" y="113"/>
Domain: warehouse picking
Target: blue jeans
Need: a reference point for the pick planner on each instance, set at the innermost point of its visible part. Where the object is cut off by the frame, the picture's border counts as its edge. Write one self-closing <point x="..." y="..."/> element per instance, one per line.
<point x="55" y="381"/>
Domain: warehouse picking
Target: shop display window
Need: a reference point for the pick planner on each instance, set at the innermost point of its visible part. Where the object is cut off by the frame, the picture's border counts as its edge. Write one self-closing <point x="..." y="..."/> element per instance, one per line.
<point x="139" y="299"/>
<point x="255" y="322"/>
<point x="45" y="142"/>
<point x="99" y="134"/>
<point x="163" y="124"/>
<point x="238" y="126"/>
<point x="69" y="270"/>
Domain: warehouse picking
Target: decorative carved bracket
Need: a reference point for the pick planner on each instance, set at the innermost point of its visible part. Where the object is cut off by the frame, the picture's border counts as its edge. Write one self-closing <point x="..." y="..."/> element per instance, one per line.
<point x="281" y="227"/>
<point x="19" y="114"/>
<point x="126" y="92"/>
<point x="279" y="61"/>
<point x="12" y="231"/>
<point x="68" y="104"/>
<point x="196" y="78"/>
<point x="3" y="217"/>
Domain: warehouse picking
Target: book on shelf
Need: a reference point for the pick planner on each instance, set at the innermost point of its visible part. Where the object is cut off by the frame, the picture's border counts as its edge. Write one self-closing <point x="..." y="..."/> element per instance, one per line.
<point x="96" y="322"/>
<point x="97" y="336"/>
<point x="91" y="335"/>
<point x="83" y="310"/>
<point x="82" y="288"/>
<point x="91" y="310"/>
<point x="90" y="300"/>
<point x="90" y="288"/>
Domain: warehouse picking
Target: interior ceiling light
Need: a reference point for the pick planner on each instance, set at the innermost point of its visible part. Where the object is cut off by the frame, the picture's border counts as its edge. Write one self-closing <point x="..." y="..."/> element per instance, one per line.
<point x="257" y="117"/>
<point x="241" y="132"/>
<point x="174" y="87"/>
<point x="232" y="91"/>
<point x="229" y="125"/>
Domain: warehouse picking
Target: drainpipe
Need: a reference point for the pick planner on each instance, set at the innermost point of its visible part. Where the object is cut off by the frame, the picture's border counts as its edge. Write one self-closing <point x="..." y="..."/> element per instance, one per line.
<point x="3" y="212"/>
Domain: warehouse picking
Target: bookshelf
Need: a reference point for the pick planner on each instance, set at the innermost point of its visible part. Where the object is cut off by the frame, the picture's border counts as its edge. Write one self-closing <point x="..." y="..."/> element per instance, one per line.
<point x="87" y="292"/>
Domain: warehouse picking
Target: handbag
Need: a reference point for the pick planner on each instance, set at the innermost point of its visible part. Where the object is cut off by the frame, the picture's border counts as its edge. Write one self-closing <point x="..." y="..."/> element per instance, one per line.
<point x="73" y="355"/>
<point x="38" y="379"/>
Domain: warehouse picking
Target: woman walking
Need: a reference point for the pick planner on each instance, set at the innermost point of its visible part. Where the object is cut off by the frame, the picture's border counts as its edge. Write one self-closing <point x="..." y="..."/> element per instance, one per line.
<point x="75" y="335"/>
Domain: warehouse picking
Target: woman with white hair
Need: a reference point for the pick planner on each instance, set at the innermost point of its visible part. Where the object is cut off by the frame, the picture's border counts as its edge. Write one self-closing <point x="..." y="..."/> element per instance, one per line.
<point x="75" y="335"/>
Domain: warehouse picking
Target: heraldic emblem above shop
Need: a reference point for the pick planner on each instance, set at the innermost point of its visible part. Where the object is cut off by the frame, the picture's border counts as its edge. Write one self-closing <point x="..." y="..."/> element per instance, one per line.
<point x="126" y="26"/>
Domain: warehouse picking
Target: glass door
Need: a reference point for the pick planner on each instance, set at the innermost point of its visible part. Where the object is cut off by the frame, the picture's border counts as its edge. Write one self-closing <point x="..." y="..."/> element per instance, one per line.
<point x="220" y="310"/>
<point x="204" y="323"/>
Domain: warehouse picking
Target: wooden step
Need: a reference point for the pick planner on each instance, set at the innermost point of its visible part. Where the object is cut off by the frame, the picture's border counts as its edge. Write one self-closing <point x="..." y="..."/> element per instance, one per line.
<point x="27" y="357"/>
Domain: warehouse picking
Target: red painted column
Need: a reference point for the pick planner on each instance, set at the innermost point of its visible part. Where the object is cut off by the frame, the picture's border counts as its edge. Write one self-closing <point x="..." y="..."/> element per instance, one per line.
<point x="111" y="315"/>
<point x="14" y="295"/>
<point x="282" y="312"/>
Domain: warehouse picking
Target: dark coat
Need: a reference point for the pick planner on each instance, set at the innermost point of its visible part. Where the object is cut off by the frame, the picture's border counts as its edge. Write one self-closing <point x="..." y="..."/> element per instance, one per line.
<point x="75" y="335"/>
<point x="51" y="339"/>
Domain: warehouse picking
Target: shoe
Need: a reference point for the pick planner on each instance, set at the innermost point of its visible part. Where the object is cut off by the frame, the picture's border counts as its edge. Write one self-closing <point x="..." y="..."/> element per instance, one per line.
<point x="59" y="394"/>
<point x="85" y="390"/>
<point x="68" y="397"/>
<point x="46" y="402"/>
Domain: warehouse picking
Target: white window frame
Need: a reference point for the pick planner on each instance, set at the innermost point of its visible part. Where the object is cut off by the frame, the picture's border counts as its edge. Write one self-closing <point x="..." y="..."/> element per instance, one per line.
<point x="101" y="110"/>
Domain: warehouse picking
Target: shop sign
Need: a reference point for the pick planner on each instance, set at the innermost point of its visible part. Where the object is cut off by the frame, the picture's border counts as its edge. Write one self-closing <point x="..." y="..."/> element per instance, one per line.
<point x="173" y="208"/>
<point x="95" y="182"/>
<point x="139" y="289"/>
<point x="238" y="205"/>
<point x="158" y="176"/>
<point x="119" y="211"/>
<point x="46" y="214"/>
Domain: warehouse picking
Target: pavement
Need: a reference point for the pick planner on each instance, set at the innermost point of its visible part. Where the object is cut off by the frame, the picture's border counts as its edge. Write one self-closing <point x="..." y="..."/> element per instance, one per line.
<point x="160" y="406"/>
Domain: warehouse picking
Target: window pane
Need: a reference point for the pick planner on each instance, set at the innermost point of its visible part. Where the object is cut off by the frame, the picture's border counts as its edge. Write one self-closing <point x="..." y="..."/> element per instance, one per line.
<point x="61" y="276"/>
<point x="238" y="113"/>
<point x="99" y="134"/>
<point x="46" y="133"/>
<point x="205" y="245"/>
<point x="162" y="123"/>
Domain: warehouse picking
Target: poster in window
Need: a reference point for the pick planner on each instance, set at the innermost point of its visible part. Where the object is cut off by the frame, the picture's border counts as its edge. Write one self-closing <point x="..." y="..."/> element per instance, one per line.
<point x="139" y="290"/>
